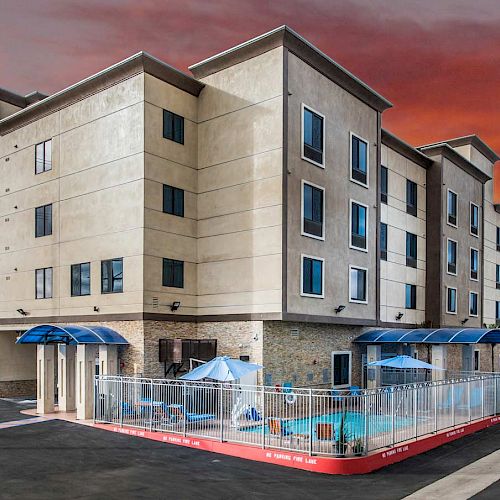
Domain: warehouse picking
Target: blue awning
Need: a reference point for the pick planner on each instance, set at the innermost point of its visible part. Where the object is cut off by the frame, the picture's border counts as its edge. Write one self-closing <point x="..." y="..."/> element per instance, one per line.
<point x="432" y="336"/>
<point x="71" y="335"/>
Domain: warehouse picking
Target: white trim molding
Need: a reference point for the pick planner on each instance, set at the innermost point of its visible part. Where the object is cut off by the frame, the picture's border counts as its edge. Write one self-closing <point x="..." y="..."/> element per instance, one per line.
<point x="302" y="231"/>
<point x="456" y="256"/>
<point x="478" y="264"/>
<point x="448" y="208"/>
<point x="359" y="268"/>
<point x="456" y="300"/>
<point x="354" y="247"/>
<point x="470" y="220"/>
<point x="471" y="293"/>
<point x="351" y="135"/>
<point x="334" y="353"/>
<point x="312" y="295"/>
<point x="302" y="108"/>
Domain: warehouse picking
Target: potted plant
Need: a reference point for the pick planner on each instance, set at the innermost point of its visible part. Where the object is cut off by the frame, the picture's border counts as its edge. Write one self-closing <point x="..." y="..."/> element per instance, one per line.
<point x="342" y="438"/>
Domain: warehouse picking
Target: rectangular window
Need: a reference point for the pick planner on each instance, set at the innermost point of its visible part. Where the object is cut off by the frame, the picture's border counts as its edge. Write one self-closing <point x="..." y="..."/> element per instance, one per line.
<point x="384" y="184"/>
<point x="341" y="368"/>
<point x="411" y="250"/>
<point x="452" y="257"/>
<point x="312" y="277"/>
<point x="43" y="157"/>
<point x="497" y="312"/>
<point x="477" y="365"/>
<point x="452" y="208"/>
<point x="43" y="283"/>
<point x="498" y="239"/>
<point x="313" y="131"/>
<point x="173" y="273"/>
<point x="474" y="264"/>
<point x="359" y="226"/>
<point x="474" y="219"/>
<point x="80" y="279"/>
<point x="498" y="277"/>
<point x="451" y="300"/>
<point x="411" y="197"/>
<point x="383" y="241"/>
<point x="43" y="221"/>
<point x="173" y="200"/>
<point x="473" y="304"/>
<point x="173" y="127"/>
<point x="359" y="160"/>
<point x="313" y="211"/>
<point x="112" y="276"/>
<point x="358" y="285"/>
<point x="411" y="297"/>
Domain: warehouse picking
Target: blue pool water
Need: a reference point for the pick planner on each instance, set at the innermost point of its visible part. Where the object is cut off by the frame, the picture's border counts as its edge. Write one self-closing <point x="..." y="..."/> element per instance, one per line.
<point x="354" y="424"/>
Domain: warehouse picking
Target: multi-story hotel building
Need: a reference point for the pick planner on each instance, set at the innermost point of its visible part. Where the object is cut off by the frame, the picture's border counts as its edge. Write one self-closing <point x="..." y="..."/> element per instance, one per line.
<point x="258" y="202"/>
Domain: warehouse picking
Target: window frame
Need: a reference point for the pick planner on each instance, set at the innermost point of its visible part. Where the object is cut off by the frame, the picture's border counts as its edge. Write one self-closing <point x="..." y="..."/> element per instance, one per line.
<point x="498" y="239"/>
<point x="448" y="209"/>
<point x="409" y="260"/>
<point x="44" y="156"/>
<point x="384" y="196"/>
<point x="456" y="257"/>
<point x="312" y="295"/>
<point x="413" y="305"/>
<point x="174" y="190"/>
<point x="302" y="199"/>
<point x="472" y="204"/>
<point x="112" y="278"/>
<point x="471" y="293"/>
<point x="341" y="353"/>
<point x="80" y="264"/>
<point x="351" y="245"/>
<point x="359" y="268"/>
<point x="303" y="107"/>
<point x="497" y="312"/>
<point x="45" y="224"/>
<point x="173" y="119"/>
<point x="472" y="249"/>
<point x="456" y="300"/>
<point x="412" y="209"/>
<point x="44" y="272"/>
<point x="478" y="352"/>
<point x="383" y="251"/>
<point x="163" y="261"/>
<point x="497" y="276"/>
<point x="351" y="135"/>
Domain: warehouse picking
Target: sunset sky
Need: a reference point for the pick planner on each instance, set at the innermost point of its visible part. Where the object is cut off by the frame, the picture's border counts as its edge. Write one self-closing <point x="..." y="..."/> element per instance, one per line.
<point x="437" y="61"/>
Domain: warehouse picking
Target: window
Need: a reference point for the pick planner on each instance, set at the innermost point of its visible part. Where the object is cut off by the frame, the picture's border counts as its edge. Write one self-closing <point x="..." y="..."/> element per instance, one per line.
<point x="384" y="184"/>
<point x="497" y="312"/>
<point x="411" y="250"/>
<point x="359" y="223"/>
<point x="477" y="365"/>
<point x="112" y="276"/>
<point x="313" y="211"/>
<point x="173" y="273"/>
<point x="411" y="297"/>
<point x="173" y="200"/>
<point x="341" y="368"/>
<point x="474" y="264"/>
<point x="80" y="279"/>
<point x="43" y="221"/>
<point x="173" y="127"/>
<point x="43" y="283"/>
<point x="452" y="257"/>
<point x="472" y="304"/>
<point x="359" y="160"/>
<point x="312" y="277"/>
<point x="383" y="241"/>
<point x="452" y="218"/>
<point x="451" y="300"/>
<point x="474" y="219"/>
<point x="313" y="132"/>
<point x="411" y="197"/>
<point x="498" y="239"/>
<point x="498" y="277"/>
<point x="43" y="157"/>
<point x="357" y="285"/>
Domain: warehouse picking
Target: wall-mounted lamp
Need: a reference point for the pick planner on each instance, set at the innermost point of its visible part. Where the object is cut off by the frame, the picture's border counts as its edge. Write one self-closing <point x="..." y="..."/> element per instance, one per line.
<point x="399" y="315"/>
<point x="15" y="206"/>
<point x="15" y="269"/>
<point x="96" y="309"/>
<point x="175" y="305"/>
<point x="339" y="309"/>
<point x="22" y="312"/>
<point x="464" y="321"/>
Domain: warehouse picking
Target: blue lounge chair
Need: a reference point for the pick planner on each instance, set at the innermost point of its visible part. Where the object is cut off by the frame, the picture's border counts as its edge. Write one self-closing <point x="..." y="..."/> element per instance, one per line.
<point x="177" y="413"/>
<point x="355" y="390"/>
<point x="475" y="399"/>
<point x="457" y="396"/>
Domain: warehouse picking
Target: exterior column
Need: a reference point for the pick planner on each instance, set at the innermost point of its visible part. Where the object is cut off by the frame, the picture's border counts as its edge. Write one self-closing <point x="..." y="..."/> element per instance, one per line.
<point x="66" y="377"/>
<point x="373" y="353"/>
<point x="45" y="378"/>
<point x="440" y="359"/>
<point x="468" y="358"/>
<point x="85" y="371"/>
<point x="108" y="359"/>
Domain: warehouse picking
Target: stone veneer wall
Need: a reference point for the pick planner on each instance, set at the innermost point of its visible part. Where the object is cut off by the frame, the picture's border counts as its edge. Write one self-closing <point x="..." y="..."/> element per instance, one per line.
<point x="305" y="361"/>
<point x="16" y="388"/>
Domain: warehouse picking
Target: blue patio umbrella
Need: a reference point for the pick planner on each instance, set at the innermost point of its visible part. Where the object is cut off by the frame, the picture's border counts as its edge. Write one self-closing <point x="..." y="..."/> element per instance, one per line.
<point x="222" y="369"/>
<point x="404" y="362"/>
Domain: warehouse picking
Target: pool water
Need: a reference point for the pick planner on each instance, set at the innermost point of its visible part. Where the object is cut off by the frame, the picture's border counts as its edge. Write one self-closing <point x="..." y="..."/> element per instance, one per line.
<point x="354" y="424"/>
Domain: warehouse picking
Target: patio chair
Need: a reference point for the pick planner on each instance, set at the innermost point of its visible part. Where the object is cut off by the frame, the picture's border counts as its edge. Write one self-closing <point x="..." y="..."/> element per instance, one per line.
<point x="325" y="433"/>
<point x="355" y="390"/>
<point x="277" y="427"/>
<point x="177" y="413"/>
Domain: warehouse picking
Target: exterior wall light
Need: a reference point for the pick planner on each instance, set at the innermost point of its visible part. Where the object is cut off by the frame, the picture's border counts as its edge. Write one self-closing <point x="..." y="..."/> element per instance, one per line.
<point x="399" y="315"/>
<point x="464" y="321"/>
<point x="22" y="312"/>
<point x="175" y="305"/>
<point x="339" y="309"/>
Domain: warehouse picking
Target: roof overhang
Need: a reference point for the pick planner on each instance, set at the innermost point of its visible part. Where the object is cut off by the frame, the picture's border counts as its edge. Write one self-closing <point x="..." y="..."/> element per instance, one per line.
<point x="431" y="336"/>
<point x="403" y="148"/>
<point x="71" y="335"/>
<point x="474" y="141"/>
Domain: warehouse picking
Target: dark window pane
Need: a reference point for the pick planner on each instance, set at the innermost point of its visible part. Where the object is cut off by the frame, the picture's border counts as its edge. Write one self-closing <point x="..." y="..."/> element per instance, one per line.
<point x="383" y="241"/>
<point x="411" y="250"/>
<point x="117" y="267"/>
<point x="39" y="222"/>
<point x="473" y="304"/>
<point x="474" y="220"/>
<point x="47" y="162"/>
<point x="411" y="297"/>
<point x="313" y="210"/>
<point x="358" y="284"/>
<point x="173" y="127"/>
<point x="452" y="208"/>
<point x="359" y="159"/>
<point x="384" y="174"/>
<point x="341" y="369"/>
<point x="313" y="136"/>
<point x="173" y="273"/>
<point x="39" y="154"/>
<point x="452" y="257"/>
<point x="452" y="300"/>
<point x="112" y="276"/>
<point x="411" y="197"/>
<point x="312" y="276"/>
<point x="173" y="200"/>
<point x="39" y="283"/>
<point x="179" y="202"/>
<point x="358" y="226"/>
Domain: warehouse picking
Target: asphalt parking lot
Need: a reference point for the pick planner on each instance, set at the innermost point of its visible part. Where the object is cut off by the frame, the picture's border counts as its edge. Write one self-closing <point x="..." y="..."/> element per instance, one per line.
<point x="61" y="460"/>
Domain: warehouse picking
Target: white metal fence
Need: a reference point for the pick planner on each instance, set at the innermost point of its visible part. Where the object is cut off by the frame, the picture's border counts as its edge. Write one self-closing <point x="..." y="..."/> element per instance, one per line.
<point x="315" y="421"/>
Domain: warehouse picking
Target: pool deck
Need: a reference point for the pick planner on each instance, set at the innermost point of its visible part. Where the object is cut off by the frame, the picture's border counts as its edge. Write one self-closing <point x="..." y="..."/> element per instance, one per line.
<point x="305" y="461"/>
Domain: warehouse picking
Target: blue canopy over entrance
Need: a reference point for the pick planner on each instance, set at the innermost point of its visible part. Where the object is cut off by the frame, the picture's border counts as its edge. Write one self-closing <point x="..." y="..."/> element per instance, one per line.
<point x="432" y="336"/>
<point x="71" y="335"/>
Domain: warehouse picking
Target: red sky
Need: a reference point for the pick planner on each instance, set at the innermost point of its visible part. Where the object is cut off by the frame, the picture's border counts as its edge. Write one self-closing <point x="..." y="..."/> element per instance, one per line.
<point x="437" y="61"/>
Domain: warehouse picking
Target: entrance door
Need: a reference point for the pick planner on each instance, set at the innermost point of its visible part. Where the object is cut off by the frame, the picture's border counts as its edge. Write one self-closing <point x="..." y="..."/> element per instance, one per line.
<point x="341" y="369"/>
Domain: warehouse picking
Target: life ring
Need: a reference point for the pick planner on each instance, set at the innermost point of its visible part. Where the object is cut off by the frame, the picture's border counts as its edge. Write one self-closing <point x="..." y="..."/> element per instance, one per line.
<point x="291" y="398"/>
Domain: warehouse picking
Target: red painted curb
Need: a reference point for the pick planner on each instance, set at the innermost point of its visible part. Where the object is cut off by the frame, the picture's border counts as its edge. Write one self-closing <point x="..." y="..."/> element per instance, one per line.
<point x="325" y="465"/>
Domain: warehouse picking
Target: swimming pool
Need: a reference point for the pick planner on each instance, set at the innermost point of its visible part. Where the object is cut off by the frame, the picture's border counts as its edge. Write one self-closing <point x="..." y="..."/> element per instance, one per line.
<point x="354" y="424"/>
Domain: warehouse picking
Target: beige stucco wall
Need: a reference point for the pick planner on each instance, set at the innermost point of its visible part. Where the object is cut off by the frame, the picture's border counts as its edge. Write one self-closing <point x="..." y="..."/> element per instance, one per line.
<point x="17" y="362"/>
<point x="343" y="113"/>
<point x="6" y="109"/>
<point x="394" y="274"/>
